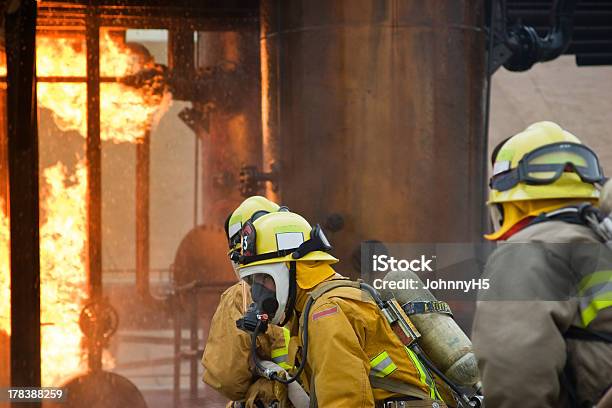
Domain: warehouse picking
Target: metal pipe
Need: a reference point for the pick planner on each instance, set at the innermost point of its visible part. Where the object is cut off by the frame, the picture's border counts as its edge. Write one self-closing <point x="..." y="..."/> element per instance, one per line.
<point x="196" y="179"/>
<point x="3" y="154"/>
<point x="20" y="35"/>
<point x="528" y="47"/>
<point x="5" y="339"/>
<point x="94" y="173"/>
<point x="178" y="335"/>
<point x="233" y="137"/>
<point x="143" y="159"/>
<point x="559" y="37"/>
<point x="193" y="337"/>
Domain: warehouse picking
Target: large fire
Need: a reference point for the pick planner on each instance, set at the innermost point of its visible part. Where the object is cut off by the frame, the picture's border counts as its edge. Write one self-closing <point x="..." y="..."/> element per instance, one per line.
<point x="63" y="284"/>
<point x="126" y="114"/>
<point x="5" y="291"/>
<point x="124" y="111"/>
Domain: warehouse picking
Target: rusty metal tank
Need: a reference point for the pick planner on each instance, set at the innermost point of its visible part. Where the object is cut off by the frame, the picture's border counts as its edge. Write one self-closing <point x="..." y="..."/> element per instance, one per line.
<point x="375" y="110"/>
<point x="231" y="136"/>
<point x="228" y="125"/>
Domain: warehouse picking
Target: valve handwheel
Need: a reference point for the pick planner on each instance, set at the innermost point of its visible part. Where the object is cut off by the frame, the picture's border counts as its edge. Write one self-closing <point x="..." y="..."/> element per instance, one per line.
<point x="99" y="321"/>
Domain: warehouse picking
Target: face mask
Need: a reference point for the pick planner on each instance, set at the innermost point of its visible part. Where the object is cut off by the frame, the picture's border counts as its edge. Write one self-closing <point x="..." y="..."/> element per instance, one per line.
<point x="264" y="298"/>
<point x="280" y="273"/>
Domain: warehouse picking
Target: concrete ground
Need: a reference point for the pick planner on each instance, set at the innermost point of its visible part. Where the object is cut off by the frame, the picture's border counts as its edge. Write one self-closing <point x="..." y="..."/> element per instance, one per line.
<point x="150" y="367"/>
<point x="163" y="399"/>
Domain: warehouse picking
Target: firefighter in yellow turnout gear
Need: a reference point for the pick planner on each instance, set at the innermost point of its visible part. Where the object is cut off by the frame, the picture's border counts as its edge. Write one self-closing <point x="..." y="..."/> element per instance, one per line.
<point x="354" y="359"/>
<point x="226" y="358"/>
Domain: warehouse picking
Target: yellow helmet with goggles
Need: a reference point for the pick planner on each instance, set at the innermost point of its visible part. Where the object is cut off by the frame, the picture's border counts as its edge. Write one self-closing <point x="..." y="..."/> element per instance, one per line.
<point x="282" y="237"/>
<point x="544" y="162"/>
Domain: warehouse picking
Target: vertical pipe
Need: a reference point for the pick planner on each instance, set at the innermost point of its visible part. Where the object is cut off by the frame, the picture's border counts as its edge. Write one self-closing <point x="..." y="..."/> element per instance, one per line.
<point x="193" y="348"/>
<point x="20" y="34"/>
<point x="178" y="337"/>
<point x="196" y="179"/>
<point x="3" y="150"/>
<point x="234" y="136"/>
<point x="5" y="359"/>
<point x="143" y="158"/>
<point x="94" y="185"/>
<point x="181" y="52"/>
<point x="271" y="72"/>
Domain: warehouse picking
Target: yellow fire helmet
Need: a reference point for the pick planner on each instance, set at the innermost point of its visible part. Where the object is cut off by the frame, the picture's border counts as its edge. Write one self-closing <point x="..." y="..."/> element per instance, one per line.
<point x="544" y="162"/>
<point x="253" y="206"/>
<point x="283" y="237"/>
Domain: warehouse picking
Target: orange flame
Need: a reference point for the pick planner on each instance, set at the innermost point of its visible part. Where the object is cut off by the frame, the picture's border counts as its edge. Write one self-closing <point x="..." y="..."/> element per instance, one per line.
<point x="5" y="276"/>
<point x="63" y="285"/>
<point x="2" y="64"/>
<point x="126" y="113"/>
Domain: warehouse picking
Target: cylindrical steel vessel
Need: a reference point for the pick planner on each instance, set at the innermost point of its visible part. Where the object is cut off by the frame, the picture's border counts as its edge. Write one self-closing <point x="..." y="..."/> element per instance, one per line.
<point x="375" y="111"/>
<point x="232" y="137"/>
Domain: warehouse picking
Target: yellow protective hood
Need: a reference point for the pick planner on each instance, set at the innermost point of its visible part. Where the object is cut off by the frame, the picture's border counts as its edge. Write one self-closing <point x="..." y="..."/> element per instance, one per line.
<point x="517" y="211"/>
<point x="310" y="274"/>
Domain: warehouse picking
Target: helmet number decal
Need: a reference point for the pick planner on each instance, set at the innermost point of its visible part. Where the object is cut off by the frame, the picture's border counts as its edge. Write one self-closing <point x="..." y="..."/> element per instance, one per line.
<point x="248" y="239"/>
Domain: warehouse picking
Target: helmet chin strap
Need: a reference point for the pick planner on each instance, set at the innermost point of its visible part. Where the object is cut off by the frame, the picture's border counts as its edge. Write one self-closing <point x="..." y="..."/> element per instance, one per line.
<point x="292" y="293"/>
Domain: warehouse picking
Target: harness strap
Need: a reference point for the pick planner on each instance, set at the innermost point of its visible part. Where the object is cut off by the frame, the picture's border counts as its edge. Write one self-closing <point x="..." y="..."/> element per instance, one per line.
<point x="398" y="387"/>
<point x="325" y="287"/>
<point x="580" y="333"/>
<point x="422" y="307"/>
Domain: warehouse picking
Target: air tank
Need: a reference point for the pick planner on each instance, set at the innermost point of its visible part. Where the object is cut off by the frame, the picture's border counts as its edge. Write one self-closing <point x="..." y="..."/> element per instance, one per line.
<point x="441" y="338"/>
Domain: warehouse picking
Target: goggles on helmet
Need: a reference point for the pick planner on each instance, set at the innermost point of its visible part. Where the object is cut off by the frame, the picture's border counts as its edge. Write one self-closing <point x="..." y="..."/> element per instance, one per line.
<point x="288" y="244"/>
<point x="546" y="164"/>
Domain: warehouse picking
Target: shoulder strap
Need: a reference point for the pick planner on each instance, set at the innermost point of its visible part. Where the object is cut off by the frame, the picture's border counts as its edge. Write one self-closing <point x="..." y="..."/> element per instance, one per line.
<point x="580" y="333"/>
<point x="325" y="287"/>
<point x="398" y="387"/>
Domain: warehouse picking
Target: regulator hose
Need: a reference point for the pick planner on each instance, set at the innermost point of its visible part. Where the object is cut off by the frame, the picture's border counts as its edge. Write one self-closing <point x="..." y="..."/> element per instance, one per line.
<point x="271" y="374"/>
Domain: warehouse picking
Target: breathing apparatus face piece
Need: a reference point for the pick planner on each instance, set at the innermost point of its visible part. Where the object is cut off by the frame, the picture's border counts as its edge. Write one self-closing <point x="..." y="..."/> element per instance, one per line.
<point x="263" y="296"/>
<point x="271" y="302"/>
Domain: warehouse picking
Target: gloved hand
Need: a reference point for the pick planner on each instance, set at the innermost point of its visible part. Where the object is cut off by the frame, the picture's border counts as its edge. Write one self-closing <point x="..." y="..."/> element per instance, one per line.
<point x="267" y="391"/>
